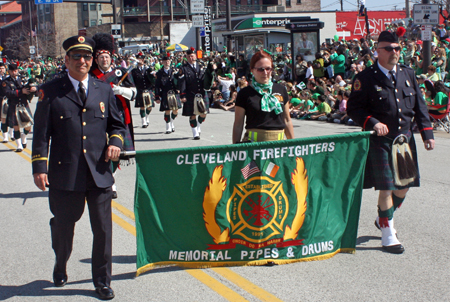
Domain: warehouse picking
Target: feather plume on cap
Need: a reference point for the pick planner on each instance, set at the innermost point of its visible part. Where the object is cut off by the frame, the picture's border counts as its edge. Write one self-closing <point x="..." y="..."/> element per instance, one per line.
<point x="400" y="31"/>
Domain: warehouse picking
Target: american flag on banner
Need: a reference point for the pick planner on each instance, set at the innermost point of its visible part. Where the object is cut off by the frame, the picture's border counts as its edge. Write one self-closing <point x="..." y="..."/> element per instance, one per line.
<point x="250" y="169"/>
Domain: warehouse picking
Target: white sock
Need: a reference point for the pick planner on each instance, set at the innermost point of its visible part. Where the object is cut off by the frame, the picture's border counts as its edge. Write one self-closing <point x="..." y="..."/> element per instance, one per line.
<point x="388" y="235"/>
<point x="168" y="127"/>
<point x="114" y="187"/>
<point x="199" y="129"/>
<point x="19" y="144"/>
<point x="23" y="137"/>
<point x="195" y="131"/>
<point x="5" y="137"/>
<point x="144" y="121"/>
<point x="171" y="124"/>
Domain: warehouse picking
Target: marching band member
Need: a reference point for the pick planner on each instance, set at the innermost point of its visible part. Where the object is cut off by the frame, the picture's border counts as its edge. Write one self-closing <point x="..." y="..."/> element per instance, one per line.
<point x="166" y="91"/>
<point x="191" y="84"/>
<point x="122" y="86"/>
<point x="144" y="79"/>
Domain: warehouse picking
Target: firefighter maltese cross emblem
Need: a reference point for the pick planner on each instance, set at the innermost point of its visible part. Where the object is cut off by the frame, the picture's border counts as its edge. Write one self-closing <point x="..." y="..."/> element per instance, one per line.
<point x="257" y="209"/>
<point x="258" y="213"/>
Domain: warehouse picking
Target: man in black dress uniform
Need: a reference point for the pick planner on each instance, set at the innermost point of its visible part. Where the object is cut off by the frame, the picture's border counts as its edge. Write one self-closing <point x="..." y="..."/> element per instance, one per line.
<point x="165" y="83"/>
<point x="79" y="115"/>
<point x="191" y="83"/>
<point x="144" y="80"/>
<point x="386" y="97"/>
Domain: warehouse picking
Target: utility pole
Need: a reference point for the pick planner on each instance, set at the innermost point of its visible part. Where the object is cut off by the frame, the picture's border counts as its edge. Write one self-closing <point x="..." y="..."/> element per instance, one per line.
<point x="408" y="10"/>
<point x="342" y="5"/>
<point x="426" y="47"/>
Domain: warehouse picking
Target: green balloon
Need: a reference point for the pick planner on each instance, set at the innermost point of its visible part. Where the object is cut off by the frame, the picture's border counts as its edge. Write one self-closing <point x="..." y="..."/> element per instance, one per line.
<point x="336" y="38"/>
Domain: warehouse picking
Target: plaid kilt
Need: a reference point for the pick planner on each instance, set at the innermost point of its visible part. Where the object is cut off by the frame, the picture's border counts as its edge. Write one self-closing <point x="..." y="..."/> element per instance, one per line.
<point x="379" y="172"/>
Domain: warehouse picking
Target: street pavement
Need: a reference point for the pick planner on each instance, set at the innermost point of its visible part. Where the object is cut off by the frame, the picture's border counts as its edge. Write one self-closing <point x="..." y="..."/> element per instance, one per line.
<point x="422" y="273"/>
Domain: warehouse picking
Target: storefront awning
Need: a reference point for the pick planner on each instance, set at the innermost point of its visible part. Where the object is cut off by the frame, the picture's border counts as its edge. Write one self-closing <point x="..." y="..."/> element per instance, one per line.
<point x="255" y="31"/>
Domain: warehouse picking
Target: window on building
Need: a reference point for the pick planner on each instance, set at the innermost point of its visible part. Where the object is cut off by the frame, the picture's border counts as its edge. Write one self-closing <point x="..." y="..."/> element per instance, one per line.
<point x="93" y="7"/>
<point x="93" y="22"/>
<point x="299" y="1"/>
<point x="100" y="22"/>
<point x="85" y="7"/>
<point x="99" y="7"/>
<point x="47" y="9"/>
<point x="249" y="2"/>
<point x="86" y="23"/>
<point x="238" y="2"/>
<point x="288" y="3"/>
<point x="256" y="2"/>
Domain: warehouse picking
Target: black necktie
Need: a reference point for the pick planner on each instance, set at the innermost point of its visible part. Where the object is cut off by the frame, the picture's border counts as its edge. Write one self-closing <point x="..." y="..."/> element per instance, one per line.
<point x="81" y="92"/>
<point x="392" y="76"/>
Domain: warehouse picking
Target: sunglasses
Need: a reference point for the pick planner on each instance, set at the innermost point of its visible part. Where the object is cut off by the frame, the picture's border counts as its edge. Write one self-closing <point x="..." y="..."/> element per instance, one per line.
<point x="78" y="56"/>
<point x="262" y="69"/>
<point x="390" y="48"/>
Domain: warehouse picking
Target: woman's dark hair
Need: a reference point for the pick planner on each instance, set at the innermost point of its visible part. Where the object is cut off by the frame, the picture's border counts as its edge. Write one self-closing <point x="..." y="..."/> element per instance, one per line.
<point x="258" y="56"/>
<point x="318" y="55"/>
<point x="440" y="87"/>
<point x="301" y="57"/>
<point x="430" y="87"/>
<point x="232" y="88"/>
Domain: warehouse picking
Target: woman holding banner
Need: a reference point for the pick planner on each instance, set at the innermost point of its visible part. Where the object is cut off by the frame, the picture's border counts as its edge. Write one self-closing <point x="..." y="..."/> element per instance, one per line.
<point x="263" y="106"/>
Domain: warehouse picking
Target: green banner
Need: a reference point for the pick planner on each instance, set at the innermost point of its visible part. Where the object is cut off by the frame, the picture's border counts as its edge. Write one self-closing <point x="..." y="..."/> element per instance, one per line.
<point x="249" y="204"/>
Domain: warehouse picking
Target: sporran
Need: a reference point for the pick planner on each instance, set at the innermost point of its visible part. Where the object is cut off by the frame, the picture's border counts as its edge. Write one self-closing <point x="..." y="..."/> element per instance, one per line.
<point x="199" y="105"/>
<point x="23" y="116"/>
<point x="405" y="170"/>
<point x="173" y="100"/>
<point x="148" y="99"/>
<point x="5" y="108"/>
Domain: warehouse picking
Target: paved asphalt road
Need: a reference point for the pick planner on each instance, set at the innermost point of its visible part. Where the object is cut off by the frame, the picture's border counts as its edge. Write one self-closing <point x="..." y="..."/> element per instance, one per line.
<point x="422" y="273"/>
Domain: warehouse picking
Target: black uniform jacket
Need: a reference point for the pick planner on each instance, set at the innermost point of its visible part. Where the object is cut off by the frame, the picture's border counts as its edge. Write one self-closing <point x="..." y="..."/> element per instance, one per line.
<point x="191" y="81"/>
<point x="375" y="99"/>
<point x="12" y="89"/>
<point x="79" y="134"/>
<point x="164" y="83"/>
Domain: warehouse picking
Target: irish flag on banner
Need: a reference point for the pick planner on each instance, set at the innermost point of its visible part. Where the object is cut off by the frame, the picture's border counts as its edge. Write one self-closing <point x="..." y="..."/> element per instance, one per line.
<point x="249" y="204"/>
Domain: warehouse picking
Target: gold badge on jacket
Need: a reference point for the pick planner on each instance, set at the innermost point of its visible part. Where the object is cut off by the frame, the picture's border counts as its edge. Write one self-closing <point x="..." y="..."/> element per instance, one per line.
<point x="102" y="107"/>
<point x="279" y="97"/>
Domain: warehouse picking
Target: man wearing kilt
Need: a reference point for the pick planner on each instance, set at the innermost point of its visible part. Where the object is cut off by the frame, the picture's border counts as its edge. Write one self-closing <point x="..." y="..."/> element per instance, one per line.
<point x="123" y="88"/>
<point x="385" y="98"/>
<point x="144" y="80"/>
<point x="17" y="95"/>
<point x="166" y="89"/>
<point x="191" y="84"/>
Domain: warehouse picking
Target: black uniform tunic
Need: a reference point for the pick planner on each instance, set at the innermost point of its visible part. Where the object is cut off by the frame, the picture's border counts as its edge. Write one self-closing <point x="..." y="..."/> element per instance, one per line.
<point x="191" y="82"/>
<point x="12" y="90"/>
<point x="163" y="84"/>
<point x="375" y="98"/>
<point x="143" y="80"/>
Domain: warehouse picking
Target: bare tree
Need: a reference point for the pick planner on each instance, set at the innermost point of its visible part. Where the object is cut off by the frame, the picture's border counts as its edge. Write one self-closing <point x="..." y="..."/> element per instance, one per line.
<point x="17" y="44"/>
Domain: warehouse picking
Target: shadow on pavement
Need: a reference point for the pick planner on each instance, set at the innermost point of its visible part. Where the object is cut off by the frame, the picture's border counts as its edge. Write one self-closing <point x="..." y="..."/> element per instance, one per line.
<point x="40" y="288"/>
<point x="163" y="139"/>
<point x="24" y="195"/>
<point x="122" y="259"/>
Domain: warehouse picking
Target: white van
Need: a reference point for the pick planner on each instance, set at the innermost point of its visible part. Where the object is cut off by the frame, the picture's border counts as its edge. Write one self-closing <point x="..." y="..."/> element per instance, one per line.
<point x="134" y="49"/>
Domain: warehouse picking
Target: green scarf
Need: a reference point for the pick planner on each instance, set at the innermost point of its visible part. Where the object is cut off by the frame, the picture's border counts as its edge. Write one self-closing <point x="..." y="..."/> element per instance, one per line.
<point x="268" y="101"/>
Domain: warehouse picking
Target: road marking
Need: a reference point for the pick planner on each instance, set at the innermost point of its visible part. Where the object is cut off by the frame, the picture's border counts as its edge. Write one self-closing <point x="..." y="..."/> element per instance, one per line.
<point x="245" y="284"/>
<point x="215" y="285"/>
<point x="123" y="210"/>
<point x="10" y="146"/>
<point x="123" y="224"/>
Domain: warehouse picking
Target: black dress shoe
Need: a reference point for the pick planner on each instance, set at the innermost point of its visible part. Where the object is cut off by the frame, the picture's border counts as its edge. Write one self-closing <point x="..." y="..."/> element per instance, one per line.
<point x="59" y="278"/>
<point x="24" y="145"/>
<point x="394" y="249"/>
<point x="197" y="137"/>
<point x="105" y="292"/>
<point x="114" y="194"/>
